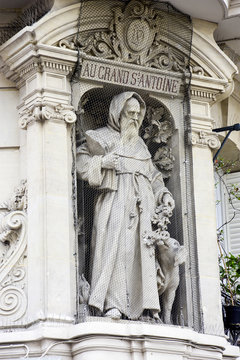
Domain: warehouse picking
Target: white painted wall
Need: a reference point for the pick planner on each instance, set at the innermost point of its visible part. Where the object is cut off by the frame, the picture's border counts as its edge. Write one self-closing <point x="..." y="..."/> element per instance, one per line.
<point x="9" y="138"/>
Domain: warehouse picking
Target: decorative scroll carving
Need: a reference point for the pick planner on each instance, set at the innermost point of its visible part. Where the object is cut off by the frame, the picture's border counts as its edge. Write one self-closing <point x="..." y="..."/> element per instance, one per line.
<point x="133" y="37"/>
<point x="13" y="301"/>
<point x="203" y="138"/>
<point x="42" y="112"/>
<point x="18" y="201"/>
<point x="198" y="70"/>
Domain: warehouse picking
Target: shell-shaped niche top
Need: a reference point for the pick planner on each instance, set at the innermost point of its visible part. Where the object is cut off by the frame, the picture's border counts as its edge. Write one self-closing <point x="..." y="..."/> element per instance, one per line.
<point x="140" y="32"/>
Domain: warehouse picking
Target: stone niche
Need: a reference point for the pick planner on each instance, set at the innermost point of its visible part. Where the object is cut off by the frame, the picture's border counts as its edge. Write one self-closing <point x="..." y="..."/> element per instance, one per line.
<point x="132" y="49"/>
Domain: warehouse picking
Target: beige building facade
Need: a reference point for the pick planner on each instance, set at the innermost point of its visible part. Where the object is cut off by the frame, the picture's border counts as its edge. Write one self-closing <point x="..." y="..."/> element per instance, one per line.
<point x="43" y="97"/>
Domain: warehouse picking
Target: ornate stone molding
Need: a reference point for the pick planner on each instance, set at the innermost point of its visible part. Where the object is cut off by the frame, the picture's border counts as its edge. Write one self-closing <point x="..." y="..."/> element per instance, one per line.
<point x="41" y="64"/>
<point x="13" y="299"/>
<point x="42" y="112"/>
<point x="56" y="66"/>
<point x="133" y="36"/>
<point x="203" y="139"/>
<point x="203" y="94"/>
<point x="29" y="68"/>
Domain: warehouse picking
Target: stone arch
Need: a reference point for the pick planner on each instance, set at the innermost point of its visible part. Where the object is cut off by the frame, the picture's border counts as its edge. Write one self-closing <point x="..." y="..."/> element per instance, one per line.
<point x="60" y="27"/>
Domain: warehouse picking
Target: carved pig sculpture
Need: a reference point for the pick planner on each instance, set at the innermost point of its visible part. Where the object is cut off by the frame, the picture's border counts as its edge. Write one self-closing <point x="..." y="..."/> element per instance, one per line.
<point x="169" y="256"/>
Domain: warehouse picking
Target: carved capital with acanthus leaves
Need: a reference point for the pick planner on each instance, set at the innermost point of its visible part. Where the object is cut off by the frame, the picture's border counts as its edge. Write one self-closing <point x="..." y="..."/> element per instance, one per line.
<point x="42" y="112"/>
<point x="203" y="139"/>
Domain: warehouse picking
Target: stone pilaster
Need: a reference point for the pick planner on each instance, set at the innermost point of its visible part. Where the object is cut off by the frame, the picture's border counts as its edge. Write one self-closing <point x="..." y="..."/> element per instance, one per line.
<point x="46" y="115"/>
<point x="204" y="141"/>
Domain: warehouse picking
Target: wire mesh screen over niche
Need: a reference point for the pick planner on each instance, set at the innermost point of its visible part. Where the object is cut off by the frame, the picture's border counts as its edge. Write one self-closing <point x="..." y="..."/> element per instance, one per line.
<point x="132" y="78"/>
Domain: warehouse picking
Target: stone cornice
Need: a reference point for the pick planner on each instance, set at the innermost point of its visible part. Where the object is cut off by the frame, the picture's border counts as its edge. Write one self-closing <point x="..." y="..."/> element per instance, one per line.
<point x="29" y="52"/>
<point x="31" y="58"/>
<point x="209" y="89"/>
<point x="236" y="92"/>
<point x="118" y="330"/>
<point x="42" y="64"/>
<point x="204" y="139"/>
<point x="42" y="112"/>
<point x="207" y="53"/>
<point x="201" y="93"/>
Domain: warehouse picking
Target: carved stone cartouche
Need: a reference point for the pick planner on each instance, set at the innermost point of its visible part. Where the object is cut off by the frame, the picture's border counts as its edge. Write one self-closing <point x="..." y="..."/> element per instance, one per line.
<point x="133" y="37"/>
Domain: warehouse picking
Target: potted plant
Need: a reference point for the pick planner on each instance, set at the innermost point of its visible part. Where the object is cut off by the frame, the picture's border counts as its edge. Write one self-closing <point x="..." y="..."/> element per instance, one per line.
<point x="228" y="263"/>
<point x="230" y="285"/>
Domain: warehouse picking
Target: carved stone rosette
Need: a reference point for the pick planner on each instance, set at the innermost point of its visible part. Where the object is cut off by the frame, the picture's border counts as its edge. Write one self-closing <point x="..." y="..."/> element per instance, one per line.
<point x="13" y="243"/>
<point x="202" y="138"/>
<point x="42" y="112"/>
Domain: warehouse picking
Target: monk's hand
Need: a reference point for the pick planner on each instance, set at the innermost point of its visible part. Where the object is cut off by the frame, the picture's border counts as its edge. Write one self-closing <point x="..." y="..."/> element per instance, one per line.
<point x="168" y="201"/>
<point x="110" y="161"/>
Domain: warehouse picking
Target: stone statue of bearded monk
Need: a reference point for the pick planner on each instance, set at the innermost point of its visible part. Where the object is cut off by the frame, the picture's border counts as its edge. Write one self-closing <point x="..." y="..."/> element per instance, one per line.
<point x="116" y="161"/>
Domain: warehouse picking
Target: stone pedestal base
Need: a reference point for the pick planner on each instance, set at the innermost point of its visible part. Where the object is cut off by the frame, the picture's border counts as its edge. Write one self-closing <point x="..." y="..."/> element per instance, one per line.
<point x="114" y="340"/>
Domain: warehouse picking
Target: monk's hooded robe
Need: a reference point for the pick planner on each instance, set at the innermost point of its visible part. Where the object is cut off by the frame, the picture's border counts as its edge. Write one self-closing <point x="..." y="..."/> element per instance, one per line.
<point x="123" y="272"/>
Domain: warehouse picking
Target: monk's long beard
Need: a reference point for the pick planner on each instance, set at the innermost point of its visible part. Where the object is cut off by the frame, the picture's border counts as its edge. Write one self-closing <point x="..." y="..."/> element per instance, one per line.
<point x="129" y="134"/>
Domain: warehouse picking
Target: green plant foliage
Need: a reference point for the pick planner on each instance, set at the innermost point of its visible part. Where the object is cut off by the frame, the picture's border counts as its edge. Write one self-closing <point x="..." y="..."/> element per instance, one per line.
<point x="234" y="191"/>
<point x="227" y="166"/>
<point x="230" y="275"/>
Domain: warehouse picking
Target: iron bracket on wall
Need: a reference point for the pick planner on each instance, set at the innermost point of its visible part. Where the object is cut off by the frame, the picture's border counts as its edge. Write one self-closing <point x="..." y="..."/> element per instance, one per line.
<point x="231" y="128"/>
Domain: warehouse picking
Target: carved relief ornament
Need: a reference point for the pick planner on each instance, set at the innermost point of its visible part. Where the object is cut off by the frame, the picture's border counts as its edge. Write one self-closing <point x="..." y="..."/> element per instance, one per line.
<point x="13" y="299"/>
<point x="42" y="112"/>
<point x="202" y="138"/>
<point x="132" y="37"/>
<point x="159" y="130"/>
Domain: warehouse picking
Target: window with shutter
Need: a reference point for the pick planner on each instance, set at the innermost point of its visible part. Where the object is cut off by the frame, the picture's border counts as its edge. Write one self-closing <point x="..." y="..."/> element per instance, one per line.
<point x="231" y="212"/>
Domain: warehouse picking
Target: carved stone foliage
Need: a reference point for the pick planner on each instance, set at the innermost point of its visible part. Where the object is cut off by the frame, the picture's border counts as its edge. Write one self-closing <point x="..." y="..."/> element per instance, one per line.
<point x="133" y="36"/>
<point x="13" y="300"/>
<point x="42" y="112"/>
<point x="202" y="138"/>
<point x="160" y="222"/>
<point x="157" y="133"/>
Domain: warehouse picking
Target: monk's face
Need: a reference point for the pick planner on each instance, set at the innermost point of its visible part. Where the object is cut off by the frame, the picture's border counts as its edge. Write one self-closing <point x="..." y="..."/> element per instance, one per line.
<point x="131" y="111"/>
<point x="129" y="120"/>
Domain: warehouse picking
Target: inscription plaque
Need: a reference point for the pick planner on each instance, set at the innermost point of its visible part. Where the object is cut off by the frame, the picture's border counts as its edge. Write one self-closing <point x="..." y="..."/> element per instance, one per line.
<point x="135" y="78"/>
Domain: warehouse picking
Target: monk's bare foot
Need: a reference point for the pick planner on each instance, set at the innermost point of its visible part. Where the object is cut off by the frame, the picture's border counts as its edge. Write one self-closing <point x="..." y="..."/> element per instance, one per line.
<point x="156" y="317"/>
<point x="113" y="314"/>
